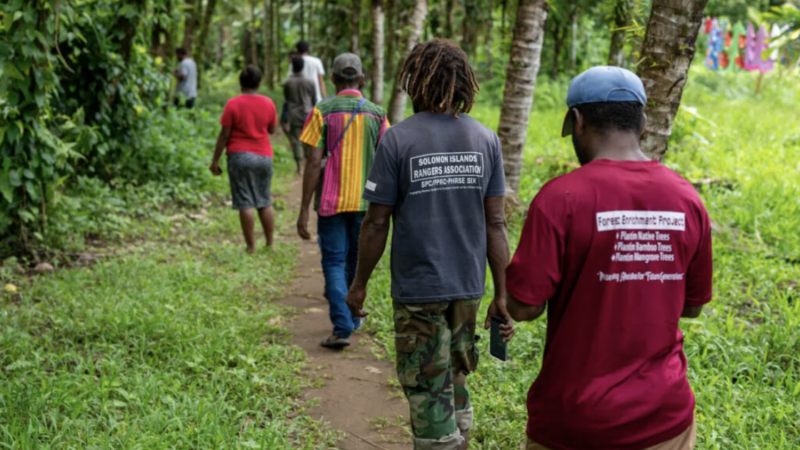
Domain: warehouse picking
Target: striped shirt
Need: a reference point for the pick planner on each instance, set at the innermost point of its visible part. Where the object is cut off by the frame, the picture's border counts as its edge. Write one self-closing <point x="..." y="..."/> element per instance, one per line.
<point x="348" y="164"/>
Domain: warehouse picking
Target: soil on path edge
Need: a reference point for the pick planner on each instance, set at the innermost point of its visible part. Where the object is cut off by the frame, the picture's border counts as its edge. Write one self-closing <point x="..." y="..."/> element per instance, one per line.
<point x="356" y="398"/>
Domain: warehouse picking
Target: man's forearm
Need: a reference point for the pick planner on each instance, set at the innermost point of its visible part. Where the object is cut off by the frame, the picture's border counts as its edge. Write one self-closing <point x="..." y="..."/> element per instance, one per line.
<point x="310" y="181"/>
<point x="371" y="245"/>
<point x="322" y="87"/>
<point x="497" y="254"/>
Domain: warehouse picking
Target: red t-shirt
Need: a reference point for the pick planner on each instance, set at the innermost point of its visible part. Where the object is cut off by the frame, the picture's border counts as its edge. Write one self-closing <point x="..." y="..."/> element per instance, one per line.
<point x="248" y="117"/>
<point x="616" y="249"/>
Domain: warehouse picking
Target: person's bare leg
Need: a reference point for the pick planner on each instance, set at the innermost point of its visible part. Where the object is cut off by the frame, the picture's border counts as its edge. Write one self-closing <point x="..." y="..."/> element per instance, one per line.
<point x="465" y="435"/>
<point x="267" y="218"/>
<point x="248" y="222"/>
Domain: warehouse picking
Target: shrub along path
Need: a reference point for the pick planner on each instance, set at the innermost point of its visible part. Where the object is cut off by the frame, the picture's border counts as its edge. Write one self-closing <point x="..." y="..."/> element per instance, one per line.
<point x="357" y="397"/>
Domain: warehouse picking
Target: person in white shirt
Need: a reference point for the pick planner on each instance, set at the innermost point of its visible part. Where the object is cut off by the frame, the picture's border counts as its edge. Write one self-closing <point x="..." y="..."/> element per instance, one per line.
<point x="312" y="69"/>
<point x="187" y="79"/>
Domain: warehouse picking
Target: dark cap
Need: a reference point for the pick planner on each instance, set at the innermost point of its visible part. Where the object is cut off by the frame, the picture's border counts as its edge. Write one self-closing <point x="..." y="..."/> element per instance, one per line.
<point x="603" y="84"/>
<point x="347" y="61"/>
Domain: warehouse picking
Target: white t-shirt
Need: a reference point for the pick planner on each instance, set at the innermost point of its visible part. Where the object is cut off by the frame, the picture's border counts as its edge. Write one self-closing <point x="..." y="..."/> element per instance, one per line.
<point x="312" y="69"/>
<point x="188" y="69"/>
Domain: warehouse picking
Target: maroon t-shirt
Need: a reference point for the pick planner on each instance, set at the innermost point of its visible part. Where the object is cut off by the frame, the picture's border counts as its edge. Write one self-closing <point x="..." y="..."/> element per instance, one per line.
<point x="616" y="249"/>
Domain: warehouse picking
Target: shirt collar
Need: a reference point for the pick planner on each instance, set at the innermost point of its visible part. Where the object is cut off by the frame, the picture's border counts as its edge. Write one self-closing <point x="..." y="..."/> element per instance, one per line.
<point x="353" y="92"/>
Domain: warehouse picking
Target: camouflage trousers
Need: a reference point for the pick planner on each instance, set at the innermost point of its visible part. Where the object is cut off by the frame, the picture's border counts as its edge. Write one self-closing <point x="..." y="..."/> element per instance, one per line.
<point x="435" y="352"/>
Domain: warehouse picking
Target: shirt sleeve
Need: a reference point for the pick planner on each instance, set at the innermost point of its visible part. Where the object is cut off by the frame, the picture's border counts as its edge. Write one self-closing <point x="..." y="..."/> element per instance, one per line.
<point x="382" y="186"/>
<point x="183" y="68"/>
<point x="497" y="182"/>
<point x="313" y="132"/>
<point x="227" y="116"/>
<point x="384" y="126"/>
<point x="321" y="67"/>
<point x="701" y="268"/>
<point x="534" y="274"/>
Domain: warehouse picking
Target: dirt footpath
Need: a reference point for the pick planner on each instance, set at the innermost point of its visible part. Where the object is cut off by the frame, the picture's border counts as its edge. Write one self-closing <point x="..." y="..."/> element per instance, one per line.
<point x="356" y="398"/>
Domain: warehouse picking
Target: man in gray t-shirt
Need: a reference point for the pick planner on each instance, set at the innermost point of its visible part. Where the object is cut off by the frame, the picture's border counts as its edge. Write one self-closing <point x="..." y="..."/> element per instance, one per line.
<point x="438" y="176"/>
<point x="187" y="78"/>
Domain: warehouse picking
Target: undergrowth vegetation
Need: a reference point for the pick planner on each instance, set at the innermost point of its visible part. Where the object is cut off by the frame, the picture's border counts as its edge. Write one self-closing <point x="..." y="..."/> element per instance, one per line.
<point x="740" y="149"/>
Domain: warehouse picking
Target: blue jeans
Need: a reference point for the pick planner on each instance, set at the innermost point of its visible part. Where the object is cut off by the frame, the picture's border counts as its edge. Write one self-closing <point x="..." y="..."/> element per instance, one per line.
<point x="338" y="241"/>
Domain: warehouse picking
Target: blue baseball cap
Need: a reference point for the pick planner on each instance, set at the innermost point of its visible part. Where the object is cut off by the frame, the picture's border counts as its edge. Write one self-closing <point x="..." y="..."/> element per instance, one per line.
<point x="600" y="85"/>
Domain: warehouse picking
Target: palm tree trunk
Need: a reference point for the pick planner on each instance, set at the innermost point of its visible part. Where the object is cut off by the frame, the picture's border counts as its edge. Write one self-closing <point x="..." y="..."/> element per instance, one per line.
<point x="276" y="47"/>
<point x="523" y="66"/>
<point x="377" y="51"/>
<point x="269" y="62"/>
<point x="201" y="40"/>
<point x="391" y="24"/>
<point x="622" y="19"/>
<point x="667" y="52"/>
<point x="397" y="105"/>
<point x="355" y="14"/>
<point x="302" y="21"/>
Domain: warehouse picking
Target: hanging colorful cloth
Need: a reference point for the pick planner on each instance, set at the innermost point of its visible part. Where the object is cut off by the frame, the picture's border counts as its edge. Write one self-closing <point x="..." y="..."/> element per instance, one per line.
<point x="752" y="53"/>
<point x="715" y="39"/>
<point x="708" y="25"/>
<point x="726" y="37"/>
<point x="737" y="48"/>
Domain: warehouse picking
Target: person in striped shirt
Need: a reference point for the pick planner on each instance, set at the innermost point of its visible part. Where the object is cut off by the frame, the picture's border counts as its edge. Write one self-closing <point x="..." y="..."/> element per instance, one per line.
<point x="341" y="134"/>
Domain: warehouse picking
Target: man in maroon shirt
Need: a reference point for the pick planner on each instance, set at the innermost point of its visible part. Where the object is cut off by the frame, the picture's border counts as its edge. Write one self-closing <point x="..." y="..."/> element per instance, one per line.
<point x="619" y="250"/>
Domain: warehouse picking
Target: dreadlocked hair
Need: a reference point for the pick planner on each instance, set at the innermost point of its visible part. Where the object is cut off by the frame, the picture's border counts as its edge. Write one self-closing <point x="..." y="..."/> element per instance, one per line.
<point x="437" y="76"/>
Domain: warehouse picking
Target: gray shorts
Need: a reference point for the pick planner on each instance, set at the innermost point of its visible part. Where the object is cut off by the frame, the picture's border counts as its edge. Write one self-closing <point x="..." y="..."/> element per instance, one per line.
<point x="251" y="180"/>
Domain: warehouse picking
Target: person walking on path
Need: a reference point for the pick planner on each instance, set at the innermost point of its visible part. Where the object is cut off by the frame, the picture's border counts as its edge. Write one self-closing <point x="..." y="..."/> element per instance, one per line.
<point x="187" y="79"/>
<point x="312" y="69"/>
<point x="438" y="175"/>
<point x="619" y="250"/>
<point x="346" y="129"/>
<point x="247" y="122"/>
<point x="299" y="93"/>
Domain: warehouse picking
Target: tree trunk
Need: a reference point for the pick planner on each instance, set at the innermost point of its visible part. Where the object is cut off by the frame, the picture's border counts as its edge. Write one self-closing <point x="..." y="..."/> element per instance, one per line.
<point x="253" y="28"/>
<point x="267" y="31"/>
<point x="276" y="47"/>
<point x="573" y="52"/>
<point x="489" y="26"/>
<point x="622" y="20"/>
<point x="391" y="27"/>
<point x="559" y="34"/>
<point x="450" y="19"/>
<point x="220" y="45"/>
<point x="667" y="52"/>
<point x="355" y="14"/>
<point x="190" y="25"/>
<point x="523" y="66"/>
<point x="377" y="51"/>
<point x="200" y="55"/>
<point x="302" y="21"/>
<point x="397" y="105"/>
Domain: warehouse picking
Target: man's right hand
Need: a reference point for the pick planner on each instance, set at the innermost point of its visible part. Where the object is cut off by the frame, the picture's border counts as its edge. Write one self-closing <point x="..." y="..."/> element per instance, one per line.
<point x="498" y="308"/>
<point x="355" y="301"/>
<point x="302" y="224"/>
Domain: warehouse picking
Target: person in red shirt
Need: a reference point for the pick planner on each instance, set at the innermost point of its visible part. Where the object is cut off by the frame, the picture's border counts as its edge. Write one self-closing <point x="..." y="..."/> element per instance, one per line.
<point x="247" y="122"/>
<point x="617" y="251"/>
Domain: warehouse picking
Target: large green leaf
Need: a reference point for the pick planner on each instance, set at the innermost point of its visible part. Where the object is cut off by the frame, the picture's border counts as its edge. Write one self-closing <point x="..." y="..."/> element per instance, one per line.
<point x="5" y="187"/>
<point x="12" y="71"/>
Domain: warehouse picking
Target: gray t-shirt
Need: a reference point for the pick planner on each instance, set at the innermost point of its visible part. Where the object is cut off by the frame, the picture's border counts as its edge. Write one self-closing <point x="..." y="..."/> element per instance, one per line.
<point x="436" y="170"/>
<point x="188" y="69"/>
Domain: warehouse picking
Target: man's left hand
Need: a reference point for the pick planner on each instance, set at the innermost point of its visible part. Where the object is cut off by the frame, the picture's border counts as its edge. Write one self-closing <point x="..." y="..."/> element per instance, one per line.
<point x="355" y="301"/>
<point x="302" y="224"/>
<point x="214" y="168"/>
<point x="498" y="308"/>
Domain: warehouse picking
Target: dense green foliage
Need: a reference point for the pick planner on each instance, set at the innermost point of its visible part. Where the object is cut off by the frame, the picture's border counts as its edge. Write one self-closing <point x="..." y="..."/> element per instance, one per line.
<point x="743" y="352"/>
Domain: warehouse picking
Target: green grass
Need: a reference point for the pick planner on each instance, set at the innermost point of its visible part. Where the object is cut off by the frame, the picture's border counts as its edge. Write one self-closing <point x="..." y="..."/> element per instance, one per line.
<point x="743" y="352"/>
<point x="171" y="342"/>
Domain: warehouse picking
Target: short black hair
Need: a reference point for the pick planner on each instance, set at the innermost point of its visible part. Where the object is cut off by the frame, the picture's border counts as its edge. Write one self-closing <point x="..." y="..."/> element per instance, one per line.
<point x="180" y="51"/>
<point x="250" y="77"/>
<point x="297" y="64"/>
<point x="350" y="79"/>
<point x="302" y="47"/>
<point x="605" y="116"/>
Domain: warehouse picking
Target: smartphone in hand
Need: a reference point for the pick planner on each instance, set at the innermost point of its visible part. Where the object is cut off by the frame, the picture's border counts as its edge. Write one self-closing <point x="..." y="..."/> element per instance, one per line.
<point x="498" y="348"/>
